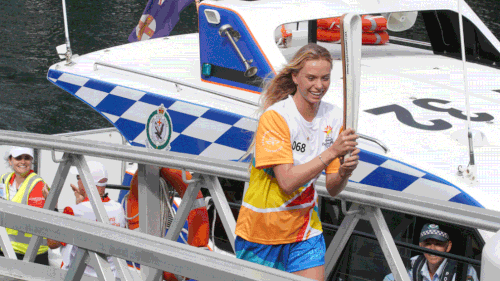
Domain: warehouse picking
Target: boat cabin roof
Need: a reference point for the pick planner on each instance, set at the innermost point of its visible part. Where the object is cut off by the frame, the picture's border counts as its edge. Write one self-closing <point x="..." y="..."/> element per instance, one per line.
<point x="263" y="17"/>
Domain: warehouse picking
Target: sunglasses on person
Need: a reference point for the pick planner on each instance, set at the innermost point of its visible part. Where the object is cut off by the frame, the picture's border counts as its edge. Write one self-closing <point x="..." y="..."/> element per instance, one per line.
<point x="25" y="157"/>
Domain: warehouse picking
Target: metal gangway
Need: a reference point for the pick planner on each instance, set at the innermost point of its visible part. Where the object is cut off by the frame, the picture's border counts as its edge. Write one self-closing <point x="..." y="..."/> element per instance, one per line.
<point x="97" y="240"/>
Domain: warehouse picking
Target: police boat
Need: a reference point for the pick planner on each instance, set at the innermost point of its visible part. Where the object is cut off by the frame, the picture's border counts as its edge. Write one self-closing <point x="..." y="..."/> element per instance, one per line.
<point x="428" y="111"/>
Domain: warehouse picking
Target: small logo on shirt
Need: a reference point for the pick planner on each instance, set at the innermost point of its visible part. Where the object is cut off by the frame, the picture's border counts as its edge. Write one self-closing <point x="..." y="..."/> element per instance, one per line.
<point x="272" y="143"/>
<point x="328" y="139"/>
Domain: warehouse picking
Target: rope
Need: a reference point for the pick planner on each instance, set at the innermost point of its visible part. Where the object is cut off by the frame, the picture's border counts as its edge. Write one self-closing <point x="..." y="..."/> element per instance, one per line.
<point x="166" y="211"/>
<point x="209" y="204"/>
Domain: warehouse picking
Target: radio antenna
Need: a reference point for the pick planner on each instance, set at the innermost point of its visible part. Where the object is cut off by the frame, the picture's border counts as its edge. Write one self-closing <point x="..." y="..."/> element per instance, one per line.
<point x="68" y="53"/>
<point x="470" y="172"/>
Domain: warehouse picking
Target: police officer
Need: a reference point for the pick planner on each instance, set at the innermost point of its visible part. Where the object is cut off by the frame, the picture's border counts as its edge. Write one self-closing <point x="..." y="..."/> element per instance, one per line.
<point x="24" y="186"/>
<point x="428" y="267"/>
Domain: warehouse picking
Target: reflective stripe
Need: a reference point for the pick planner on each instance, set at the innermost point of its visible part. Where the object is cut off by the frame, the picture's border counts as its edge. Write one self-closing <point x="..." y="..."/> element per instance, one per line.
<point x="31" y="183"/>
<point x="6" y="179"/>
<point x="379" y="39"/>
<point x="2" y="187"/>
<point x="373" y="23"/>
<point x="333" y="25"/>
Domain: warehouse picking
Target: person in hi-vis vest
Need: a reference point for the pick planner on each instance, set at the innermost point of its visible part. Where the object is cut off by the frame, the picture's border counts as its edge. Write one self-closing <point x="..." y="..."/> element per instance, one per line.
<point x="24" y="186"/>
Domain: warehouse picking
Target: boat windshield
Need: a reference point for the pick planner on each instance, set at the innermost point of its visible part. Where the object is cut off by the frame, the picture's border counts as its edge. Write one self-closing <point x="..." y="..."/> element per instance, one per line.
<point x="424" y="32"/>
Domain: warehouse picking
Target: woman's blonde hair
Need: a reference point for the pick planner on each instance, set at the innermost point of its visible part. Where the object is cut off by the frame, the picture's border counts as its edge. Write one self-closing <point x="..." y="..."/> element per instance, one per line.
<point x="282" y="85"/>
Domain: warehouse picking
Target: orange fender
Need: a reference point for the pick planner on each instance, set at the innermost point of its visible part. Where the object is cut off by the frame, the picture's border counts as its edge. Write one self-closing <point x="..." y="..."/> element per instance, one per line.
<point x="373" y="23"/>
<point x="198" y="224"/>
<point x="328" y="35"/>
<point x="368" y="23"/>
<point x="329" y="24"/>
<point x="367" y="38"/>
<point x="375" y="38"/>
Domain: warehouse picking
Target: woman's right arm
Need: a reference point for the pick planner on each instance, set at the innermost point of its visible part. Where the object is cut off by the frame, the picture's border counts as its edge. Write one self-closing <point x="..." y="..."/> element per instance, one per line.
<point x="290" y="177"/>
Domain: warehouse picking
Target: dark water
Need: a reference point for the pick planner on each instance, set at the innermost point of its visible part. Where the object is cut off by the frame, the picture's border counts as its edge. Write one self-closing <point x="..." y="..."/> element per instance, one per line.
<point x="31" y="29"/>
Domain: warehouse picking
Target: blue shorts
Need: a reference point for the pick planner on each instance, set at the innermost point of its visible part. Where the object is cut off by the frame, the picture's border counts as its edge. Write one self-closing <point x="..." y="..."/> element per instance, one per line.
<point x="287" y="257"/>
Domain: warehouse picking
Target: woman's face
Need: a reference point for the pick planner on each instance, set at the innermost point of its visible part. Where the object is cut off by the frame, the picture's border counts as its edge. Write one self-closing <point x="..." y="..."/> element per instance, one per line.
<point x="313" y="80"/>
<point x="21" y="164"/>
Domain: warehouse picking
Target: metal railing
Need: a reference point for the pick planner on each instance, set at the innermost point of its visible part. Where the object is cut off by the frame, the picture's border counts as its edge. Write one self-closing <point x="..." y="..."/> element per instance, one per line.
<point x="374" y="140"/>
<point x="174" y="81"/>
<point x="96" y="240"/>
<point x="161" y="254"/>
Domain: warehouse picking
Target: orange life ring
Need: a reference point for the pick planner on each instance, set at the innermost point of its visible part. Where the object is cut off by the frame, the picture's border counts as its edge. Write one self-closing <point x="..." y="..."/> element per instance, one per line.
<point x="328" y="35"/>
<point x="198" y="224"/>
<point x="369" y="23"/>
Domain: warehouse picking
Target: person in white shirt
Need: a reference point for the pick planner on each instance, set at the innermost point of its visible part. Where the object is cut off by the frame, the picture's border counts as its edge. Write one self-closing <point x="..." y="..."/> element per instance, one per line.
<point x="428" y="267"/>
<point x="82" y="208"/>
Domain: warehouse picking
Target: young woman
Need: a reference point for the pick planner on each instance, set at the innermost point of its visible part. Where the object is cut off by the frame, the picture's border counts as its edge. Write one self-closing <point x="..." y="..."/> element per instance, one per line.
<point x="297" y="138"/>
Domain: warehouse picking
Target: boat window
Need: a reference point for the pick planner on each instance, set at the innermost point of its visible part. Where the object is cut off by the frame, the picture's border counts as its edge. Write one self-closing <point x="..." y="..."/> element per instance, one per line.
<point x="436" y="31"/>
<point x="290" y="37"/>
<point x="363" y="258"/>
<point x="443" y="30"/>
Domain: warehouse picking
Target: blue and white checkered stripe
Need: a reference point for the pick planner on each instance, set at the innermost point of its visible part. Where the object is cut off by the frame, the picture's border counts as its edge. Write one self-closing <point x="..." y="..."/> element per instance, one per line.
<point x="211" y="132"/>
<point x="377" y="170"/>
<point x="197" y="130"/>
<point x="435" y="232"/>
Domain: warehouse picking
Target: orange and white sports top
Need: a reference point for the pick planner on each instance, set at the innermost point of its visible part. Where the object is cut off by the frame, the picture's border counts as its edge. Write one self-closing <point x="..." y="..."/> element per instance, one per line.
<point x="268" y="215"/>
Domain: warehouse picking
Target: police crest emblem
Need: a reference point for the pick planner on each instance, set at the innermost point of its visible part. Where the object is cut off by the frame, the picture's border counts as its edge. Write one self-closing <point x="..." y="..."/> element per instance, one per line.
<point x="159" y="129"/>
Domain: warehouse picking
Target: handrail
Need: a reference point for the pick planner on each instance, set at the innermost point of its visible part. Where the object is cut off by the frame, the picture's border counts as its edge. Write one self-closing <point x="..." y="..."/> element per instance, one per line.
<point x="405" y="40"/>
<point x="175" y="81"/>
<point x="427" y="207"/>
<point x="354" y="192"/>
<point x="111" y="129"/>
<point x="372" y="139"/>
<point x="203" y="165"/>
<point x="131" y="245"/>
